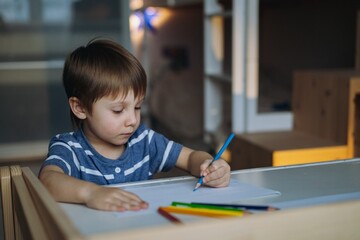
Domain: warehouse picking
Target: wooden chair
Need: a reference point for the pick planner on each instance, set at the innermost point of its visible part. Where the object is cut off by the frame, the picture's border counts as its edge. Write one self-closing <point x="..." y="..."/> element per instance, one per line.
<point x="28" y="224"/>
<point x="29" y="211"/>
<point x="326" y="113"/>
<point x="55" y="221"/>
<point x="6" y="202"/>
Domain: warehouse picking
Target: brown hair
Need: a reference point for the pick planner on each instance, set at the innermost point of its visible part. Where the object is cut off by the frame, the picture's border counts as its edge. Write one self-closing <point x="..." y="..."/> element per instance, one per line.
<point x="101" y="68"/>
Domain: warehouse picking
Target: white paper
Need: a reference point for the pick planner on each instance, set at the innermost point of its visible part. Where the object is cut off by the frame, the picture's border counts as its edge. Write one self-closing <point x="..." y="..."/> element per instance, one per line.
<point x="165" y="194"/>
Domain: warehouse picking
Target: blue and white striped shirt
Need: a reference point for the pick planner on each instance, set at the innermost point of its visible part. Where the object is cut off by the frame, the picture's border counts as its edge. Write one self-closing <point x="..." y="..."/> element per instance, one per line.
<point x="146" y="153"/>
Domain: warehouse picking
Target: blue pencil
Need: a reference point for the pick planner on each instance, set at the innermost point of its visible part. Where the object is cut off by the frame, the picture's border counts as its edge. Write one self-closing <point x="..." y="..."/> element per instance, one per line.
<point x="217" y="156"/>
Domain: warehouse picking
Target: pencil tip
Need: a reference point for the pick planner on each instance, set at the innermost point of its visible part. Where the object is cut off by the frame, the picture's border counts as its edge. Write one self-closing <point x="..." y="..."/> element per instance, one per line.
<point x="196" y="187"/>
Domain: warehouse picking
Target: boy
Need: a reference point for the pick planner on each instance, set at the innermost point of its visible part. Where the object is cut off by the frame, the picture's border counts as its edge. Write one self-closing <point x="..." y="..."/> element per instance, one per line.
<point x="106" y="86"/>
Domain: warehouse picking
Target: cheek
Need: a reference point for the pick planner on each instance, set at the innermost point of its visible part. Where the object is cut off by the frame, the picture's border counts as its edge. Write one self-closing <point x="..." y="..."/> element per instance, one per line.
<point x="109" y="123"/>
<point x="110" y="127"/>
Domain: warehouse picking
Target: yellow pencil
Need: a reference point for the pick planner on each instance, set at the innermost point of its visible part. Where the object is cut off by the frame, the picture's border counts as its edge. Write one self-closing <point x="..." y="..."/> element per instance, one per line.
<point x="203" y="212"/>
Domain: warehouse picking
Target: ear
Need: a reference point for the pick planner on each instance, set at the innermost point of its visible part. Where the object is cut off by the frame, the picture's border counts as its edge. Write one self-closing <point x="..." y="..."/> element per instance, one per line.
<point x="77" y="108"/>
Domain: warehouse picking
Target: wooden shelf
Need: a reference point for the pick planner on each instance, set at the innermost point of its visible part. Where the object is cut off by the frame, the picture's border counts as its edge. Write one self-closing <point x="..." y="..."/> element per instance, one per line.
<point x="219" y="77"/>
<point x="227" y="13"/>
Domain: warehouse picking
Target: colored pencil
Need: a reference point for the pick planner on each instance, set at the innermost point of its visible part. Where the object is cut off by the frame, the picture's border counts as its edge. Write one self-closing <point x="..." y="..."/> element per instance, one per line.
<point x="240" y="206"/>
<point x="217" y="156"/>
<point x="202" y="212"/>
<point x="168" y="216"/>
<point x="192" y="205"/>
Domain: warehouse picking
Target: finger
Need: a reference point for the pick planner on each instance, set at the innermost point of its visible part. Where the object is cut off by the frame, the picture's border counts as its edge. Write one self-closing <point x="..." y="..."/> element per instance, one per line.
<point x="120" y="205"/>
<point x="130" y="206"/>
<point x="217" y="175"/>
<point x="204" y="167"/>
<point x="215" y="167"/>
<point x="130" y="201"/>
<point x="126" y="203"/>
<point x="112" y="207"/>
<point x="144" y="205"/>
<point x="212" y="176"/>
<point x="219" y="182"/>
<point x="222" y="166"/>
<point x="130" y="197"/>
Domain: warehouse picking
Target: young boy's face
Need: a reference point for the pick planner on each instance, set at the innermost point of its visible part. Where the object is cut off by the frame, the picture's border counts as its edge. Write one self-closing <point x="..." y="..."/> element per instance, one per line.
<point x="113" y="121"/>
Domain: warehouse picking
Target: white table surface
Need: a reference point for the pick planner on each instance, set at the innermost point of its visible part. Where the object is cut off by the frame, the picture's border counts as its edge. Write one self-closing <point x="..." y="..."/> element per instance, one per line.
<point x="299" y="185"/>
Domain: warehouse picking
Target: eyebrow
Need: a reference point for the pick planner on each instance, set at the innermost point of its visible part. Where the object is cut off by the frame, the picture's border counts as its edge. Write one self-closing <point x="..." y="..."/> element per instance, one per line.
<point x="141" y="100"/>
<point x="122" y="101"/>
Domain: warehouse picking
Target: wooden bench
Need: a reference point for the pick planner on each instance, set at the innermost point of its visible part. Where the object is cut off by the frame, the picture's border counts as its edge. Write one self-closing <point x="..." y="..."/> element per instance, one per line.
<point x="326" y="113"/>
<point x="29" y="211"/>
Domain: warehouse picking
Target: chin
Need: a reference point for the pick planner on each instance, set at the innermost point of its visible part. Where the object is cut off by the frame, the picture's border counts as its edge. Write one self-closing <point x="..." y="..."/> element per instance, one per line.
<point x="120" y="142"/>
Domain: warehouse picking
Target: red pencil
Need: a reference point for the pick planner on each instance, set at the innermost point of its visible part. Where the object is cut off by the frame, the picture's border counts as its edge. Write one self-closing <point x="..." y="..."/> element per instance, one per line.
<point x="169" y="216"/>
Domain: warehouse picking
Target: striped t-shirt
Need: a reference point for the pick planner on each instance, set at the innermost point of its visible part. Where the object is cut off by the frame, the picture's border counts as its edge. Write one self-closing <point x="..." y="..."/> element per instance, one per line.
<point x="146" y="153"/>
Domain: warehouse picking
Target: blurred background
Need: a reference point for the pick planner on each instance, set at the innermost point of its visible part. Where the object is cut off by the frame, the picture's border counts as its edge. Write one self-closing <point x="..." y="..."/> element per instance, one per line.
<point x="214" y="66"/>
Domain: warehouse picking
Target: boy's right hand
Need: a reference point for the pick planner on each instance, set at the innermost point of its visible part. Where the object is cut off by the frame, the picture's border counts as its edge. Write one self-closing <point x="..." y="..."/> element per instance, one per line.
<point x="113" y="199"/>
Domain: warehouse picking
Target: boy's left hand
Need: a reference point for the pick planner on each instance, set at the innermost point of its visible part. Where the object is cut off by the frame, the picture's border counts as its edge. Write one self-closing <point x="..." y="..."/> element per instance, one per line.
<point x="216" y="175"/>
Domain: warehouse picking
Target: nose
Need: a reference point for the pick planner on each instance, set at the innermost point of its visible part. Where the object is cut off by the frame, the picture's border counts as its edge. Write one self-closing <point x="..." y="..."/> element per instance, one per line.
<point x="131" y="118"/>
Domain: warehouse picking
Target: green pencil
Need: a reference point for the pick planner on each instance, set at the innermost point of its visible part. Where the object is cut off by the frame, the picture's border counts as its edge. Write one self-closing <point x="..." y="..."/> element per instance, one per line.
<point x="191" y="205"/>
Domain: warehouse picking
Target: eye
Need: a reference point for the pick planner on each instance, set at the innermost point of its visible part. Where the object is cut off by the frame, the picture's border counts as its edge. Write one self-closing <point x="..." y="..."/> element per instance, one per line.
<point x="117" y="111"/>
<point x="138" y="106"/>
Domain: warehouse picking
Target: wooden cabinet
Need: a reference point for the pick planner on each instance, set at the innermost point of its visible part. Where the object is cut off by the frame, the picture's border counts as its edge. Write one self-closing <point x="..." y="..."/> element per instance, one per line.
<point x="326" y="113"/>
